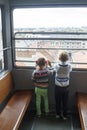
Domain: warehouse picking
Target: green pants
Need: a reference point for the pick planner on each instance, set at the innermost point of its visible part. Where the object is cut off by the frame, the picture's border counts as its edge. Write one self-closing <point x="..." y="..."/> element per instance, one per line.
<point x="40" y="92"/>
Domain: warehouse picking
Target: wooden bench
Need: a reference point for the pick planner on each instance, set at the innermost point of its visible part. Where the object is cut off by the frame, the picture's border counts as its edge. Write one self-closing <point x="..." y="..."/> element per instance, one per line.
<point x="14" y="111"/>
<point x="82" y="108"/>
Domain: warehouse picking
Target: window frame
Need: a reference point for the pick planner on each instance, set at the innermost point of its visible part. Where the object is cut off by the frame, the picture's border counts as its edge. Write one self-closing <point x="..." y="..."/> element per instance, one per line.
<point x="3" y="33"/>
<point x="13" y="38"/>
<point x="6" y="48"/>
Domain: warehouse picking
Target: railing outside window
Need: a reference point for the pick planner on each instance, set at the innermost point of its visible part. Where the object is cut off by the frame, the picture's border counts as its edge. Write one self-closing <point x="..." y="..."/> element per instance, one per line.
<point x="28" y="46"/>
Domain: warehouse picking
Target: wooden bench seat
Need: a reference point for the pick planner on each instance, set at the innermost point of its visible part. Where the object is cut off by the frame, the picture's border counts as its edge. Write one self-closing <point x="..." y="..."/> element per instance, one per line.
<point x="82" y="108"/>
<point x="12" y="114"/>
<point x="14" y="111"/>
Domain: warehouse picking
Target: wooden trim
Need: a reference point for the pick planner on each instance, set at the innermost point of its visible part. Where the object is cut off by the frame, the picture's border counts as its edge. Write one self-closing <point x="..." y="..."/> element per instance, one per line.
<point x="82" y="108"/>
<point x="6" y="85"/>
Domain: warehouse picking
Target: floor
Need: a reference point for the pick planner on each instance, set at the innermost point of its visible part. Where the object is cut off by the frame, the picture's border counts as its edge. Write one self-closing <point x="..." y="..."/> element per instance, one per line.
<point x="31" y="122"/>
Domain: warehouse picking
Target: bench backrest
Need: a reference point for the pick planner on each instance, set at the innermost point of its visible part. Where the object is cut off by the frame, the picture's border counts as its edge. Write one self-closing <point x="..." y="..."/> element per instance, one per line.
<point x="82" y="107"/>
<point x="14" y="111"/>
<point x="6" y="85"/>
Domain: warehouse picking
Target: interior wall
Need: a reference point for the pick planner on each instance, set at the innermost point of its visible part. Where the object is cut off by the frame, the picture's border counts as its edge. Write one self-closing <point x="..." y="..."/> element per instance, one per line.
<point x="22" y="77"/>
<point x="3" y="2"/>
<point x="78" y="83"/>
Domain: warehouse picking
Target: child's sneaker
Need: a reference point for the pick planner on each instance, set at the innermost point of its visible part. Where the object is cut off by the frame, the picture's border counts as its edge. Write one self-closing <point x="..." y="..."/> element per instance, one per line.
<point x="64" y="117"/>
<point x="58" y="116"/>
<point x="38" y="116"/>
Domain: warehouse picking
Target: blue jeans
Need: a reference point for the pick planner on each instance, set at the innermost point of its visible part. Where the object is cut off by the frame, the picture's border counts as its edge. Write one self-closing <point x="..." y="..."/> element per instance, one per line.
<point x="61" y="98"/>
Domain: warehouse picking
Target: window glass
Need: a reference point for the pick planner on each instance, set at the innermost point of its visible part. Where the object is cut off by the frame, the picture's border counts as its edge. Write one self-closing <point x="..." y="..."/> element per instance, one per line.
<point x="1" y="46"/>
<point x="45" y="32"/>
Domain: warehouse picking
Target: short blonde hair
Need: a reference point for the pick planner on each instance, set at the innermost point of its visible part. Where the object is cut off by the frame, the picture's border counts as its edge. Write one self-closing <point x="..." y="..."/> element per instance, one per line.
<point x="64" y="56"/>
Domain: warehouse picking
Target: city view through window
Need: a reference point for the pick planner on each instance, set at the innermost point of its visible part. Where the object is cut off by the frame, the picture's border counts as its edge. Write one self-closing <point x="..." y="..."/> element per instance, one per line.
<point x="45" y="32"/>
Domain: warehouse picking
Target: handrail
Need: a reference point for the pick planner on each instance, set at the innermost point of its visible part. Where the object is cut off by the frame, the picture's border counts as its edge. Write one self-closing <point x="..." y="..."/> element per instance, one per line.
<point x="56" y="32"/>
<point x="4" y="49"/>
<point x="60" y="48"/>
<point x="40" y="37"/>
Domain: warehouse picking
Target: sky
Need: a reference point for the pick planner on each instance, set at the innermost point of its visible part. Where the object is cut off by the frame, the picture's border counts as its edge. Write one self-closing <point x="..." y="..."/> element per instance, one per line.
<point x="50" y="17"/>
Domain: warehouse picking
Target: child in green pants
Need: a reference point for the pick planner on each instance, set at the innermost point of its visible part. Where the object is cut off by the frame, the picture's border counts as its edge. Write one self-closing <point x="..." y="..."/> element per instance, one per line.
<point x="41" y="92"/>
<point x="40" y="77"/>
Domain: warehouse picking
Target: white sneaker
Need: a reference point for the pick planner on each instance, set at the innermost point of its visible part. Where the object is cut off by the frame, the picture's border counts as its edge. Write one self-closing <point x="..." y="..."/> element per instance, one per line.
<point x="57" y="116"/>
<point x="64" y="118"/>
<point x="38" y="116"/>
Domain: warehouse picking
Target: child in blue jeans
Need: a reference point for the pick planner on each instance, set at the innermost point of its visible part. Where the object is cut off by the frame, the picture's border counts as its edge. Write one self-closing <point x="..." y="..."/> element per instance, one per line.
<point x="62" y="77"/>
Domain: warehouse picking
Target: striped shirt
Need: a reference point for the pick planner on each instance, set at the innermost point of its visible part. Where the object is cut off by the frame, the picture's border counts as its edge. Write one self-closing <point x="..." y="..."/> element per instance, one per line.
<point x="62" y="75"/>
<point x="41" y="77"/>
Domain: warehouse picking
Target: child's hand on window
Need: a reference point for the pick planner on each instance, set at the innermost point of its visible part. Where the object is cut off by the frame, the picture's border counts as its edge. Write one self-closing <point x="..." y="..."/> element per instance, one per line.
<point x="49" y="63"/>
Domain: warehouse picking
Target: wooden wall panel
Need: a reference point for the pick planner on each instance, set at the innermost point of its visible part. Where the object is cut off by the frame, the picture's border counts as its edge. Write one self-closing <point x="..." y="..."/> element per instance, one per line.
<point x="6" y="85"/>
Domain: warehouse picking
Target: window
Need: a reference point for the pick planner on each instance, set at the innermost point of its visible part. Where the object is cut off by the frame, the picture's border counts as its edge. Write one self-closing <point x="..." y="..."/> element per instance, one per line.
<point x="1" y="46"/>
<point x="45" y="32"/>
